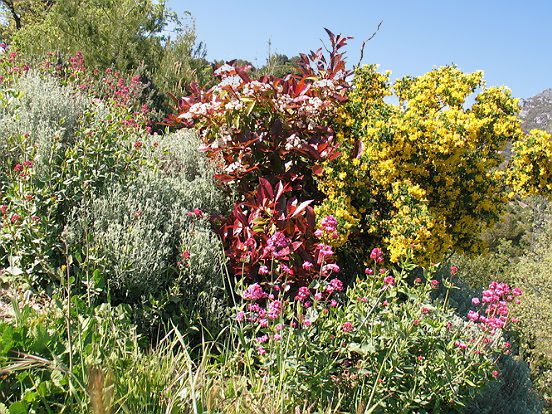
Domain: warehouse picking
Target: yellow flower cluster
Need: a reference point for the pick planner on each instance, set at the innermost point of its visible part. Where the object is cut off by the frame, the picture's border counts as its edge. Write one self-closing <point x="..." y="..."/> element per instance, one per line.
<point x="422" y="174"/>
<point x="531" y="164"/>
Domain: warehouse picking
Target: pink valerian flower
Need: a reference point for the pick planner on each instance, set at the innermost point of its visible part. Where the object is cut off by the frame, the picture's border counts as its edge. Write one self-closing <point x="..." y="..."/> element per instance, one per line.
<point x="475" y="301"/>
<point x="324" y="250"/>
<point x="425" y="310"/>
<point x="240" y="316"/>
<point x="318" y="233"/>
<point x="331" y="267"/>
<point x="377" y="255"/>
<point x="329" y="224"/>
<point x="307" y="304"/>
<point x="335" y="285"/>
<point x="307" y="322"/>
<point x="277" y="337"/>
<point x="286" y="269"/>
<point x="333" y="303"/>
<point x="261" y="350"/>
<point x="262" y="339"/>
<point x="473" y="316"/>
<point x="263" y="323"/>
<point x="389" y="280"/>
<point x="274" y="309"/>
<point x="495" y="374"/>
<point x="460" y="344"/>
<point x="279" y="327"/>
<point x="278" y="245"/>
<point x="347" y="327"/>
<point x="368" y="271"/>
<point x="35" y="218"/>
<point x="307" y="265"/>
<point x="418" y="280"/>
<point x="254" y="292"/>
<point x="3" y="209"/>
<point x="28" y="164"/>
<point x="434" y="284"/>
<point x="15" y="218"/>
<point x="303" y="294"/>
<point x="263" y="270"/>
<point x="453" y="270"/>
<point x="18" y="167"/>
<point x="383" y="271"/>
<point x="318" y="296"/>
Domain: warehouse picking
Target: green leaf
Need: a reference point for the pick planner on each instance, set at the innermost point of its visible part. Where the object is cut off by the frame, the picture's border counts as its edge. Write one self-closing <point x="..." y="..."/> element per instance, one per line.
<point x="18" y="407"/>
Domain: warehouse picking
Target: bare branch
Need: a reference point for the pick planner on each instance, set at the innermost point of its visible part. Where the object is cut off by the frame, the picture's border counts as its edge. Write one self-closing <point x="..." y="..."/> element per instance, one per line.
<point x="364" y="44"/>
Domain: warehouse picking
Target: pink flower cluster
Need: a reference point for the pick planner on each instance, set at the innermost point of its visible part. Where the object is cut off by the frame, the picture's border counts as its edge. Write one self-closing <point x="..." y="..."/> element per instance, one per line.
<point x="328" y="226"/>
<point x="495" y="301"/>
<point x="278" y="245"/>
<point x="377" y="255"/>
<point x="254" y="292"/>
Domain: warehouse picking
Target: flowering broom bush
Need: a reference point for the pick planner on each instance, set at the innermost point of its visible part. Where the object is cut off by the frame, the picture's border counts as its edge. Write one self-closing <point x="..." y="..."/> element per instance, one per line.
<point x="425" y="173"/>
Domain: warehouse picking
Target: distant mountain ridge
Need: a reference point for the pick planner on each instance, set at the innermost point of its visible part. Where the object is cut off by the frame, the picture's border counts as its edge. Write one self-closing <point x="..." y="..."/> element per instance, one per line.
<point x="537" y="111"/>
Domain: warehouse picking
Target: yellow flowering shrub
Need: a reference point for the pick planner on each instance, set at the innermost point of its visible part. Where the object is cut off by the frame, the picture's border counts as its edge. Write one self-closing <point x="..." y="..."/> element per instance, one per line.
<point x="531" y="164"/>
<point x="428" y="172"/>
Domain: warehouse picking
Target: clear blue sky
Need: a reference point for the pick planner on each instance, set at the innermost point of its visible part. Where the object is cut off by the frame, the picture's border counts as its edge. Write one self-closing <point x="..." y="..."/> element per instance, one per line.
<point x="511" y="41"/>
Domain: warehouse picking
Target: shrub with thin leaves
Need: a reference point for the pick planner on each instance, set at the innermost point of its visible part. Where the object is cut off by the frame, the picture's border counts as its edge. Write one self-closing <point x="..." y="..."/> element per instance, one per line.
<point x="39" y="120"/>
<point x="59" y="148"/>
<point x="149" y="241"/>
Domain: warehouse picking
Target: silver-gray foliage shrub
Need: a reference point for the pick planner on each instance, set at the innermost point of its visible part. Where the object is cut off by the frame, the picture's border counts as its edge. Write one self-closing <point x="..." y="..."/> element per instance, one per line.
<point x="42" y="112"/>
<point x="135" y="233"/>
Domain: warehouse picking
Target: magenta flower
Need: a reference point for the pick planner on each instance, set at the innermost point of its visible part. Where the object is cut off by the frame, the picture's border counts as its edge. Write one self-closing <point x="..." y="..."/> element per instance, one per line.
<point x="331" y="267"/>
<point x="303" y="294"/>
<point x="254" y="292"/>
<point x="475" y="301"/>
<point x="261" y="350"/>
<point x="474" y="316"/>
<point x="368" y="271"/>
<point x="263" y="270"/>
<point x="389" y="280"/>
<point x="329" y="224"/>
<point x="307" y="265"/>
<point x="336" y="284"/>
<point x="240" y="316"/>
<point x="261" y="339"/>
<point x="460" y="344"/>
<point x="377" y="255"/>
<point x="347" y="327"/>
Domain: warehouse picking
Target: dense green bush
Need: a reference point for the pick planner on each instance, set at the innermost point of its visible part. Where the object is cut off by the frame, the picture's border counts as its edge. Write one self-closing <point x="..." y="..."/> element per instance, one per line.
<point x="99" y="364"/>
<point x="507" y="241"/>
<point x="534" y="332"/>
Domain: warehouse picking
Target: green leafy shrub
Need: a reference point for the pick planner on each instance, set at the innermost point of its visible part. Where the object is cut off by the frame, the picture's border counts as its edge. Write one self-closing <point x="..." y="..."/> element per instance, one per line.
<point x="39" y="122"/>
<point x="101" y="365"/>
<point x="506" y="243"/>
<point x="534" y="332"/>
